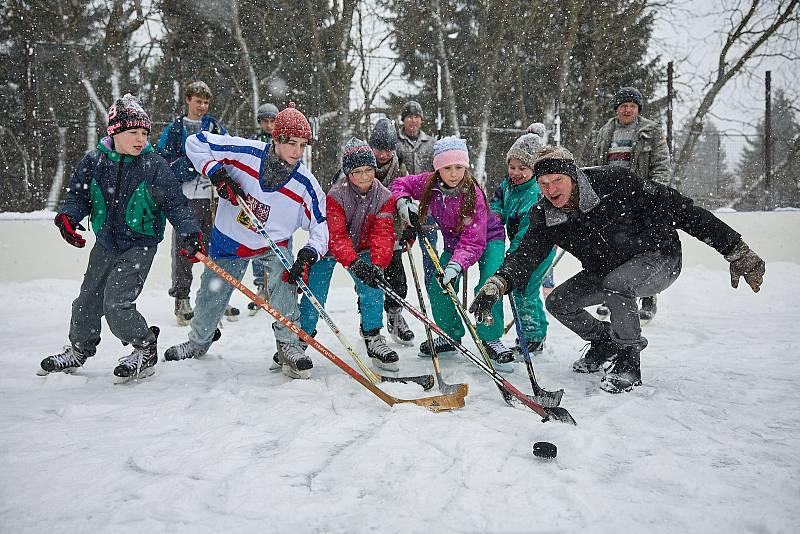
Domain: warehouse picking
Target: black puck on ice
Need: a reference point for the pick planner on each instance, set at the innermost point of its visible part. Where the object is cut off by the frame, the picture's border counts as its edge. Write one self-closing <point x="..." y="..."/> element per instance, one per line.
<point x="544" y="449"/>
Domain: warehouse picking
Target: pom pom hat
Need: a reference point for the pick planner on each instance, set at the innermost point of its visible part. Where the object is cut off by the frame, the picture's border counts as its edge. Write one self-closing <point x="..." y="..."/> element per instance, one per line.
<point x="127" y="114"/>
<point x="291" y="123"/>
<point x="450" y="151"/>
<point x="357" y="154"/>
<point x="525" y="149"/>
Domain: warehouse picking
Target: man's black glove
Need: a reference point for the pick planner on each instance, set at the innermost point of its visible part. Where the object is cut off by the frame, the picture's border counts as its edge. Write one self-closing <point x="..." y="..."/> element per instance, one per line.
<point x="192" y="244"/>
<point x="492" y="291"/>
<point x="408" y="236"/>
<point x="745" y="262"/>
<point x="368" y="272"/>
<point x="227" y="187"/>
<point x="305" y="259"/>
<point x="68" y="229"/>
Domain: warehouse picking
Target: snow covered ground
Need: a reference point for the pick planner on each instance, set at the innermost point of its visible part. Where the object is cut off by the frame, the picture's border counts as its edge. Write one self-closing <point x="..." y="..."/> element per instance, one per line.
<point x="709" y="443"/>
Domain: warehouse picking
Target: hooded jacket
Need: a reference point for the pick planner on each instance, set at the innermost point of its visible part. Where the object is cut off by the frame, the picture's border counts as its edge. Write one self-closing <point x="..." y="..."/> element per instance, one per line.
<point x="128" y="198"/>
<point x="619" y="215"/>
<point x="467" y="246"/>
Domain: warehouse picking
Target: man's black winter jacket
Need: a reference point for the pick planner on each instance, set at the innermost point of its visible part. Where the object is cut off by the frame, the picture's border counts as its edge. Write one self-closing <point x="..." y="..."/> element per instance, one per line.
<point x="619" y="215"/>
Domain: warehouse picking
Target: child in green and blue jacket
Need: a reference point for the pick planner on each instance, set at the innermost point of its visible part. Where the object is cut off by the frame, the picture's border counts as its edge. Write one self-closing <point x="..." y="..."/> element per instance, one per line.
<point x="513" y="200"/>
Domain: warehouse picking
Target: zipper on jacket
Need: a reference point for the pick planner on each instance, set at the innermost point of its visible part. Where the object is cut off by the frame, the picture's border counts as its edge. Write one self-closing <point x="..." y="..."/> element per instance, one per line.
<point x="116" y="204"/>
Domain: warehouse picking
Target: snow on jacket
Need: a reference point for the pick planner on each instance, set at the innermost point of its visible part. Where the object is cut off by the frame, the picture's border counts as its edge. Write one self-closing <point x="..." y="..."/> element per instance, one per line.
<point x="171" y="147"/>
<point x="619" y="215"/>
<point x="128" y="198"/>
<point x="359" y="222"/>
<point x="415" y="154"/>
<point x="296" y="202"/>
<point x="513" y="203"/>
<point x="467" y="246"/>
<point x="649" y="153"/>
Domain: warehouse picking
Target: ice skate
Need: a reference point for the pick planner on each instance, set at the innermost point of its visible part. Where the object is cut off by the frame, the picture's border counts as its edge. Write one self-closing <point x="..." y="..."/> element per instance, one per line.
<point x="65" y="361"/>
<point x="183" y="311"/>
<point x="398" y="328"/>
<point x="139" y="363"/>
<point x="231" y="313"/>
<point x="624" y="372"/>
<point x="380" y="353"/>
<point x="443" y="348"/>
<point x="292" y="361"/>
<point x="188" y="349"/>
<point x="502" y="357"/>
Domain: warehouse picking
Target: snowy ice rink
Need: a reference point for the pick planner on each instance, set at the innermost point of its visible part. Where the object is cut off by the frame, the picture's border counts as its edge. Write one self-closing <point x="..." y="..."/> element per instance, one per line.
<point x="710" y="442"/>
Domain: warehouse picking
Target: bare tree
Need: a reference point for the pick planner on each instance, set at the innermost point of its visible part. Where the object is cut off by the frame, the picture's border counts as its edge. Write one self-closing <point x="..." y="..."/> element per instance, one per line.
<point x="441" y="55"/>
<point x="750" y="30"/>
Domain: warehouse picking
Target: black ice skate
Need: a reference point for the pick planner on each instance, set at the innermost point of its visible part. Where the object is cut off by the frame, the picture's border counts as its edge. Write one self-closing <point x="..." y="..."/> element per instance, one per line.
<point x="648" y="310"/>
<point x="624" y="372"/>
<point x="377" y="349"/>
<point x="443" y="348"/>
<point x="398" y="328"/>
<point x="187" y="349"/>
<point x="231" y="314"/>
<point x="502" y="357"/>
<point x="252" y="307"/>
<point x="603" y="313"/>
<point x="65" y="361"/>
<point x="292" y="360"/>
<point x="599" y="352"/>
<point x="139" y="363"/>
<point x="535" y="348"/>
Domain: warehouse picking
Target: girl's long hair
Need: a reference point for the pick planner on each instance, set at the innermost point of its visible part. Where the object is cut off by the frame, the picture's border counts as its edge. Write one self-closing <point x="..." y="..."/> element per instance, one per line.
<point x="468" y="202"/>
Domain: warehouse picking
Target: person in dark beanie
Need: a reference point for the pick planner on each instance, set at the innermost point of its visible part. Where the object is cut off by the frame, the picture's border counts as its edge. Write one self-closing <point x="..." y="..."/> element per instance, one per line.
<point x="383" y="141"/>
<point x="128" y="192"/>
<point x="415" y="152"/>
<point x="360" y="213"/>
<point x="623" y="229"/>
<point x="196" y="187"/>
<point x="631" y="141"/>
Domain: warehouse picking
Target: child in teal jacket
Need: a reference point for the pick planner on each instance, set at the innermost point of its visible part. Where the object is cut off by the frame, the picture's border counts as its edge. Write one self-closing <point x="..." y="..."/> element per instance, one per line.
<point x="513" y="200"/>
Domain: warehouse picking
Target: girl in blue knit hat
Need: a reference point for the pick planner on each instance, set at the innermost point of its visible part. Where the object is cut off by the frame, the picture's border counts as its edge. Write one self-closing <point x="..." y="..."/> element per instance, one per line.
<point x="472" y="234"/>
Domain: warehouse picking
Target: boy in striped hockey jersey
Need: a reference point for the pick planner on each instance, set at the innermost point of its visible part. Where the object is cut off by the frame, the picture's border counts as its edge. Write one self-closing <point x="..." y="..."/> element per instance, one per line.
<point x="284" y="195"/>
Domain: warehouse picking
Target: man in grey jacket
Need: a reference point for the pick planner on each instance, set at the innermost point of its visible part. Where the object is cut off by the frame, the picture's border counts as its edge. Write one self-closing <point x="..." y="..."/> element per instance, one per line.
<point x="631" y="141"/>
<point x="415" y="151"/>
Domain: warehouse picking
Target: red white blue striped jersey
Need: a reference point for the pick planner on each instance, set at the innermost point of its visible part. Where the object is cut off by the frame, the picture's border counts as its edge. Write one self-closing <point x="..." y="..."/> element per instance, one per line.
<point x="296" y="203"/>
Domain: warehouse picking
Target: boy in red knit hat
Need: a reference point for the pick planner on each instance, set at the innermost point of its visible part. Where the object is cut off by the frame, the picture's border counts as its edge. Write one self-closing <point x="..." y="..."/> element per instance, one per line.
<point x="284" y="195"/>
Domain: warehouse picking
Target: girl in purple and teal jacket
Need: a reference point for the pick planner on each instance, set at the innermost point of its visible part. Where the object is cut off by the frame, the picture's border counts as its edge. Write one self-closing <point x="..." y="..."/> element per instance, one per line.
<point x="472" y="234"/>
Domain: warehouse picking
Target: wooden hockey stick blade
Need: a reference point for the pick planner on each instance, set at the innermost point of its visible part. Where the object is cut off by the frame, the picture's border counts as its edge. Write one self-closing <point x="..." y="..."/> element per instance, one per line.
<point x="438" y="403"/>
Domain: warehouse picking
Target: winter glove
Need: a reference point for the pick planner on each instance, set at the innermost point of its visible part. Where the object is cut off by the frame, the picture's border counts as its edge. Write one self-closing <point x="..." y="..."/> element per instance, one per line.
<point x="408" y="236"/>
<point x="68" y="228"/>
<point x="451" y="272"/>
<point x="745" y="262"/>
<point x="368" y="272"/>
<point x="494" y="288"/>
<point x="405" y="207"/>
<point x="305" y="259"/>
<point x="192" y="244"/>
<point x="226" y="186"/>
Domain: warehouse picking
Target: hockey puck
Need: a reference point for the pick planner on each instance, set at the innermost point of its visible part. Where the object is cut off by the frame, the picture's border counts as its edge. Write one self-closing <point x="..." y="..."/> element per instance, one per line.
<point x="544" y="449"/>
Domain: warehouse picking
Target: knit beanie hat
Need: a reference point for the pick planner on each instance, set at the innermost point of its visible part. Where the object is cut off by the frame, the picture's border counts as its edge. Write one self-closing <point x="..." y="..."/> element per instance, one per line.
<point x="555" y="160"/>
<point x="537" y="128"/>
<point x="291" y="123"/>
<point x="357" y="154"/>
<point x="627" y="94"/>
<point x="411" y="107"/>
<point x="384" y="135"/>
<point x="267" y="111"/>
<point x="525" y="149"/>
<point x="450" y="151"/>
<point x="126" y="114"/>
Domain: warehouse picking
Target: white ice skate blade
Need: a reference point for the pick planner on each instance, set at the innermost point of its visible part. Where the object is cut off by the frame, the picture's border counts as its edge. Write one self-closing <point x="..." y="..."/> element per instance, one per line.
<point x="298" y="375"/>
<point x="42" y="372"/>
<point x="144" y="373"/>
<point x="232" y="318"/>
<point x="446" y="354"/>
<point x="399" y="341"/>
<point x="392" y="367"/>
<point x="182" y="322"/>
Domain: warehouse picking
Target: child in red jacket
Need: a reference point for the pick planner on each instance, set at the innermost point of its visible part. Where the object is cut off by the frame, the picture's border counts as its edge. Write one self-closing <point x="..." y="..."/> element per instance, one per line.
<point x="360" y="214"/>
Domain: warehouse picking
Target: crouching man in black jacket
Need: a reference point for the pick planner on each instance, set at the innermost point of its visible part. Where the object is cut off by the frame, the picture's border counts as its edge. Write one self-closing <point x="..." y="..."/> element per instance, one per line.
<point x="624" y="231"/>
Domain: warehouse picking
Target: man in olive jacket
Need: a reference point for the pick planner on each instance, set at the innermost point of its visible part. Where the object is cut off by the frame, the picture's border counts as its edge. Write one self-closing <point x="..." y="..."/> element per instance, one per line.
<point x="623" y="230"/>
<point x="629" y="140"/>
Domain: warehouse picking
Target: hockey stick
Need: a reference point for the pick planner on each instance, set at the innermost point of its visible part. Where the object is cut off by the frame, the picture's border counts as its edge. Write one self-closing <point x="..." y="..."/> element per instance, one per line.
<point x="454" y="298"/>
<point x="443" y="386"/>
<point x="556" y="413"/>
<point x="549" y="270"/>
<point x="426" y="381"/>
<point x="438" y="403"/>
<point x="542" y="396"/>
